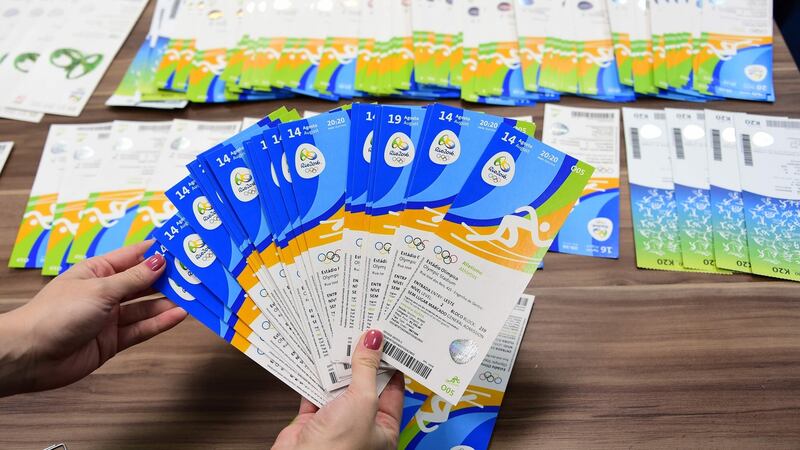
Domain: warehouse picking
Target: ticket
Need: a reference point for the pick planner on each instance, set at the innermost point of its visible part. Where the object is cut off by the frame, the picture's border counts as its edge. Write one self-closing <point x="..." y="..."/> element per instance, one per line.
<point x="184" y="289"/>
<point x="690" y="175"/>
<point x="531" y="20"/>
<point x="182" y="241"/>
<point x="364" y="127"/>
<point x="83" y="167"/>
<point x="34" y="230"/>
<point x="591" y="135"/>
<point x="450" y="148"/>
<point x="126" y="167"/>
<point x="435" y="423"/>
<point x="735" y="51"/>
<point x="397" y="139"/>
<point x="201" y="216"/>
<point x="315" y="153"/>
<point x="78" y="58"/>
<point x="727" y="207"/>
<point x="270" y="195"/>
<point x="185" y="140"/>
<point x="498" y="228"/>
<point x="769" y="169"/>
<point x="653" y="206"/>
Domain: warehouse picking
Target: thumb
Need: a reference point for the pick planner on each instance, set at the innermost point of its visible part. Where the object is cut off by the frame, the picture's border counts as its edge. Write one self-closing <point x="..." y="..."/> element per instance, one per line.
<point x="365" y="363"/>
<point x="123" y="285"/>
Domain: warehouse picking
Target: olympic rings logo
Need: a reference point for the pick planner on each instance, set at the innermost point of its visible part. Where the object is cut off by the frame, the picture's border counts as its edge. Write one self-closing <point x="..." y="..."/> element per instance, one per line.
<point x="359" y="242"/>
<point x="415" y="242"/>
<point x="490" y="377"/>
<point x="195" y="246"/>
<point x="445" y="255"/>
<point x="329" y="257"/>
<point x="383" y="247"/>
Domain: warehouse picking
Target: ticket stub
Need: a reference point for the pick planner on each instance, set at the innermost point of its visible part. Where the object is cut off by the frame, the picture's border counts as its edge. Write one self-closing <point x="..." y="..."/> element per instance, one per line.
<point x="653" y="207"/>
<point x="727" y="206"/>
<point x="735" y="55"/>
<point x="83" y="167"/>
<point x="34" y="229"/>
<point x="5" y="151"/>
<point x="687" y="134"/>
<point x="769" y="167"/>
<point x="591" y="135"/>
<point x="126" y="168"/>
<point x="485" y="251"/>
<point x="184" y="141"/>
<point x="432" y="422"/>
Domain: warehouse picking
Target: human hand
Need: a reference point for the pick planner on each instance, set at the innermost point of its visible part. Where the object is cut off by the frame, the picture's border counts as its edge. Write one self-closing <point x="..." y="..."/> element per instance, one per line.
<point x="81" y="319"/>
<point x="357" y="419"/>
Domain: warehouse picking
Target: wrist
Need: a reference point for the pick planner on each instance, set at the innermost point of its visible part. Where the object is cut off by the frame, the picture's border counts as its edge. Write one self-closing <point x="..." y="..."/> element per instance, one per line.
<point x="16" y="354"/>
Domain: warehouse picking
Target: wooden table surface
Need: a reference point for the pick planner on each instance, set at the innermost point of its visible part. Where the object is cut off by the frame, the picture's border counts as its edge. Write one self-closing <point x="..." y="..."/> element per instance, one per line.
<point x="614" y="356"/>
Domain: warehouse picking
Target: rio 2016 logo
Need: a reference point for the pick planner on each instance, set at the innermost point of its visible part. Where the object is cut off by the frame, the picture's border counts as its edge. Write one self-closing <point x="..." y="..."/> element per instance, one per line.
<point x="399" y="151"/>
<point x="307" y="155"/>
<point x="198" y="251"/>
<point x="243" y="185"/>
<point x="205" y="214"/>
<point x="499" y="169"/>
<point x="309" y="161"/>
<point x="445" y="149"/>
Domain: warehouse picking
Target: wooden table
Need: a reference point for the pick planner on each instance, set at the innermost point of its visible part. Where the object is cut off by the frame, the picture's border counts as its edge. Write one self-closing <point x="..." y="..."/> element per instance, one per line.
<point x="614" y="356"/>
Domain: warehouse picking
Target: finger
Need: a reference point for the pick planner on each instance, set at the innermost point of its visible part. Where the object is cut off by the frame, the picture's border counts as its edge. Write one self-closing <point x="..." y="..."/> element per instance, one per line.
<point x="138" y="332"/>
<point x="366" y="359"/>
<point x="306" y="407"/>
<point x="109" y="264"/>
<point x="135" y="312"/>
<point x="127" y="257"/>
<point x="123" y="285"/>
<point x="391" y="400"/>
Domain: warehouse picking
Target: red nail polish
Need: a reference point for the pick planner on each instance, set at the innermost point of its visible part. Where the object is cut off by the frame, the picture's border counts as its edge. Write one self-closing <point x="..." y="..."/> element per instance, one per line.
<point x="373" y="339"/>
<point x="155" y="262"/>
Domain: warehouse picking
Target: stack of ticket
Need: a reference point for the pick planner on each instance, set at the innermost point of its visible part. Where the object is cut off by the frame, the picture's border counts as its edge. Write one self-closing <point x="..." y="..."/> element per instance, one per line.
<point x="715" y="191"/>
<point x="497" y="52"/>
<point x="54" y="52"/>
<point x="295" y="235"/>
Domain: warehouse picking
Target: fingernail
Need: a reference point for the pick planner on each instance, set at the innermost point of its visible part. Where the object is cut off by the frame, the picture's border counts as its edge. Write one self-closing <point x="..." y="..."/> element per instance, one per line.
<point x="373" y="339"/>
<point x="155" y="262"/>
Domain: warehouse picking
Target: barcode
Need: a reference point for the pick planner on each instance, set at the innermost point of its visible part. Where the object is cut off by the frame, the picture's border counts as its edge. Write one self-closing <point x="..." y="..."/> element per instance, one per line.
<point x="349" y="349"/>
<point x="593" y="115"/>
<point x="347" y="366"/>
<point x="334" y="380"/>
<point x="783" y="123"/>
<point x="155" y="127"/>
<point x="523" y="301"/>
<point x="212" y="127"/>
<point x="407" y="360"/>
<point x="748" y="150"/>
<point x="676" y="133"/>
<point x="660" y="116"/>
<point x="635" y="144"/>
<point x="716" y="145"/>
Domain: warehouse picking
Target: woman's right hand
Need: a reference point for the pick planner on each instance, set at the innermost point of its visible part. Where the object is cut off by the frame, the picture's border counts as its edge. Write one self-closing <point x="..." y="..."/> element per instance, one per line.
<point x="357" y="419"/>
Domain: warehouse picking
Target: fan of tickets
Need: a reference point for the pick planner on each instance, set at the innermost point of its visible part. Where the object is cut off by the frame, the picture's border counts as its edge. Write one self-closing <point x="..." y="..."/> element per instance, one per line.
<point x="294" y="235"/>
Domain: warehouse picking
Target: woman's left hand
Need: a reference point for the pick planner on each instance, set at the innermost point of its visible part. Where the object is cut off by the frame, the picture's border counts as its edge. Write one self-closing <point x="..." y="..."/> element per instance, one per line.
<point x="81" y="319"/>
